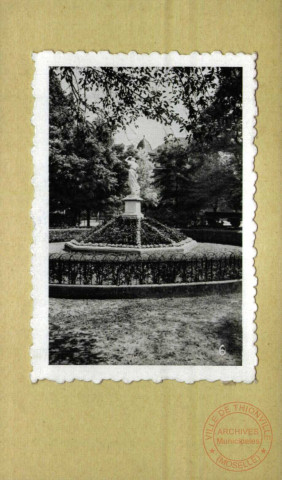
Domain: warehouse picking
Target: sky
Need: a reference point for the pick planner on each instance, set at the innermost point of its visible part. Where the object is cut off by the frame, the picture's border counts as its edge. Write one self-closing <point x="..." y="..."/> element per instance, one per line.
<point x="152" y="130"/>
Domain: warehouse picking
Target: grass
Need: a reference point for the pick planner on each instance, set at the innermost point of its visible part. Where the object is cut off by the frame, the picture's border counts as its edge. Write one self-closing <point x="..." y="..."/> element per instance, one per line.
<point x="170" y="331"/>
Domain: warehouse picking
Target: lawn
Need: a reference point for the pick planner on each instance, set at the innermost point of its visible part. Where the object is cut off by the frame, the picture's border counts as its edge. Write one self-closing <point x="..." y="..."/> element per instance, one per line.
<point x="170" y="331"/>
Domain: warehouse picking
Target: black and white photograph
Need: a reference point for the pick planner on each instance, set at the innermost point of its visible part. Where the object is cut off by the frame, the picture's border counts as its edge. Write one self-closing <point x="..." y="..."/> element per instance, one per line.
<point x="145" y="220"/>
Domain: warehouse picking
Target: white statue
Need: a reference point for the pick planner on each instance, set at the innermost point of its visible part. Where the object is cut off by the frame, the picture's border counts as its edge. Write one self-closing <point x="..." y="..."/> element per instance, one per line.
<point x="132" y="176"/>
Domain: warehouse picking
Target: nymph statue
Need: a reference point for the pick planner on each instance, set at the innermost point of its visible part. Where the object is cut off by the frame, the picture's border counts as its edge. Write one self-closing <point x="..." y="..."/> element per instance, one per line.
<point x="132" y="176"/>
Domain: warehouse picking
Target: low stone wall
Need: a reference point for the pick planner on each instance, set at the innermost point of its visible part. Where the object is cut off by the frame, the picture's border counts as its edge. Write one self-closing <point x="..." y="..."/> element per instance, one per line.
<point x="144" y="291"/>
<point x="215" y="235"/>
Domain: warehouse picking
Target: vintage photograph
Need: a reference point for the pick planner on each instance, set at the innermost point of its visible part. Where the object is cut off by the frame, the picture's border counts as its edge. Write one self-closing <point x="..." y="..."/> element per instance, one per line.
<point x="145" y="227"/>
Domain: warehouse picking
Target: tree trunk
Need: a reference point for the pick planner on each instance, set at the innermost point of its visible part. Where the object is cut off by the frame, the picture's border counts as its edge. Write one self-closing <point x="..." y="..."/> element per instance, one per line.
<point x="88" y="217"/>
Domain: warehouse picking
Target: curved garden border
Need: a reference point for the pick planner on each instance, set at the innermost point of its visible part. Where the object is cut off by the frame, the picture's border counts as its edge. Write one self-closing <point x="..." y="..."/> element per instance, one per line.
<point x="112" y="276"/>
<point x="144" y="291"/>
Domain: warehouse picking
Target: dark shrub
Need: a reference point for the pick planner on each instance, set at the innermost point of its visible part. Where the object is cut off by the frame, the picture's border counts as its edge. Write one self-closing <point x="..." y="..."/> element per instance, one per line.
<point x="67" y="234"/>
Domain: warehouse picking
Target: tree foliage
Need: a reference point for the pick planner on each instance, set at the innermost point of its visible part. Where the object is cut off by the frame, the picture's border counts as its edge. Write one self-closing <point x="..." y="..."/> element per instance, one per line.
<point x="148" y="189"/>
<point x="210" y="97"/>
<point x="85" y="171"/>
<point x="213" y="100"/>
<point x="219" y="183"/>
<point x="174" y="176"/>
<point x="191" y="181"/>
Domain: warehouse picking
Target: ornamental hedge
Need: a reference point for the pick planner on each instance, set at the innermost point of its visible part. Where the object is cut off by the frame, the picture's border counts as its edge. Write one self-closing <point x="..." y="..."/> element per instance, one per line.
<point x="67" y="234"/>
<point x="110" y="270"/>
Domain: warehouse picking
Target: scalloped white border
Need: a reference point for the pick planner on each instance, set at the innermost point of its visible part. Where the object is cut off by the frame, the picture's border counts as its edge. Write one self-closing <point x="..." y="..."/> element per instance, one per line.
<point x="39" y="323"/>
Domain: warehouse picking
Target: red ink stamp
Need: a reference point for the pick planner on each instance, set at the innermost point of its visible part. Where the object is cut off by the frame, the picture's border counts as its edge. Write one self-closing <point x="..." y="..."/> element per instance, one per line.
<point x="237" y="436"/>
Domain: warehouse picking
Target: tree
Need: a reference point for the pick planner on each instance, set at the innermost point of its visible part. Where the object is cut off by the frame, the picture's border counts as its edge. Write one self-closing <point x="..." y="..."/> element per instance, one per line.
<point x="84" y="167"/>
<point x="213" y="101"/>
<point x="148" y="189"/>
<point x="119" y="94"/>
<point x="218" y="181"/>
<point x="102" y="100"/>
<point x="191" y="181"/>
<point x="211" y="98"/>
<point x="174" y="176"/>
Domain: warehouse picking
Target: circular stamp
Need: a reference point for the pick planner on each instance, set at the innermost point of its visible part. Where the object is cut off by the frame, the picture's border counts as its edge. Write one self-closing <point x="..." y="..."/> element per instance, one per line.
<point x="237" y="436"/>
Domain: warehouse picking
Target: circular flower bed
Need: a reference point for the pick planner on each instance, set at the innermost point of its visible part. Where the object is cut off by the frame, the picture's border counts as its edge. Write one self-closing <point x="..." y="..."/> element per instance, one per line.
<point x="129" y="232"/>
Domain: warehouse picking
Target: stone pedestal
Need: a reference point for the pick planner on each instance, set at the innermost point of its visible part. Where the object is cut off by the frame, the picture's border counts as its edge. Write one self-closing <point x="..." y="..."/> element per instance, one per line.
<point x="132" y="206"/>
